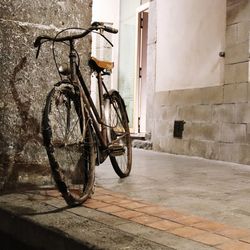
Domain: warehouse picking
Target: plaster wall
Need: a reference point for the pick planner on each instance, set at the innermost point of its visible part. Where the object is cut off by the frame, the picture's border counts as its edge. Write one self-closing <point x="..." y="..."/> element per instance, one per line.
<point x="190" y="35"/>
<point x="217" y="118"/>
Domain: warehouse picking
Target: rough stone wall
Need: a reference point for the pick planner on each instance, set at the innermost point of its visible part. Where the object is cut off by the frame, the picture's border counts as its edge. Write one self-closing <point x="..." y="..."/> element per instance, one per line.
<point x="217" y="119"/>
<point x="26" y="81"/>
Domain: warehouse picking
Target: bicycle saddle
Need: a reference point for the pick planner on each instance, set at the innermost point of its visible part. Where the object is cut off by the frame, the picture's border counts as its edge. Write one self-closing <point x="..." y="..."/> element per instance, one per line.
<point x="98" y="65"/>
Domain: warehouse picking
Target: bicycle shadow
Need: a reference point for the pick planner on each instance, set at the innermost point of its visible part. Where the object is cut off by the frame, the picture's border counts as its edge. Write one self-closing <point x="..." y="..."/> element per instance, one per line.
<point x="32" y="193"/>
<point x="27" y="131"/>
<point x="28" y="211"/>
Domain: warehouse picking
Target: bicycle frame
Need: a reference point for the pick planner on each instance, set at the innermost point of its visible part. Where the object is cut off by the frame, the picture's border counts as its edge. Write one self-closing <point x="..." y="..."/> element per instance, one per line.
<point x="97" y="119"/>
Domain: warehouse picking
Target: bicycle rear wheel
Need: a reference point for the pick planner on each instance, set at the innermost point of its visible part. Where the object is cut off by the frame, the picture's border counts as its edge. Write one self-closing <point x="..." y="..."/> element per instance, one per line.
<point x="118" y="134"/>
<point x="69" y="142"/>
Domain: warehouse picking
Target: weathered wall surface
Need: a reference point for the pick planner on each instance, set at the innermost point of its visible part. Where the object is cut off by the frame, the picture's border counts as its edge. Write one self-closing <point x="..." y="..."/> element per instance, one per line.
<point x="217" y="118"/>
<point x="25" y="81"/>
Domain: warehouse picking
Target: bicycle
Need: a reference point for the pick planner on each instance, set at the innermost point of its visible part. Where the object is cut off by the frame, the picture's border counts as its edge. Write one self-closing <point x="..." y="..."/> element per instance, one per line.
<point x="77" y="135"/>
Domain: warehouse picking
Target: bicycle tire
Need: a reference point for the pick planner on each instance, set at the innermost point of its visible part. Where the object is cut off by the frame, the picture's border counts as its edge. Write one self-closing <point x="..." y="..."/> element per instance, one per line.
<point x="71" y="155"/>
<point x="118" y="127"/>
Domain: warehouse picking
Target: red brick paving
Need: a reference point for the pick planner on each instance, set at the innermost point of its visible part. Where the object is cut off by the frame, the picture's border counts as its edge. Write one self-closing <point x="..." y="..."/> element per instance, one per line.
<point x="111" y="209"/>
<point x="165" y="225"/>
<point x="246" y="240"/>
<point x="189" y="220"/>
<point x="187" y="232"/>
<point x="145" y="219"/>
<point x="234" y="245"/>
<point x="132" y="205"/>
<point x="127" y="214"/>
<point x="95" y="204"/>
<point x="210" y="239"/>
<point x="235" y="233"/>
<point x="170" y="214"/>
<point x="195" y="228"/>
<point x="151" y="209"/>
<point x="210" y="226"/>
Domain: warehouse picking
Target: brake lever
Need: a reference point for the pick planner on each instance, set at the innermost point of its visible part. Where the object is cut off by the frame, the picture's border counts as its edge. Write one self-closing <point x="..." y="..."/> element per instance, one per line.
<point x="38" y="50"/>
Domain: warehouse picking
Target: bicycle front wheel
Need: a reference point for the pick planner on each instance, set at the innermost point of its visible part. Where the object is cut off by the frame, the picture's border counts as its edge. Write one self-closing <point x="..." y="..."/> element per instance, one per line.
<point x="69" y="142"/>
<point x="118" y="134"/>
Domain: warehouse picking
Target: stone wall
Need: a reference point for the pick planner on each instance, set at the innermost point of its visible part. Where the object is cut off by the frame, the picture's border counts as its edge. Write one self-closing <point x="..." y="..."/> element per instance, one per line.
<point x="217" y="119"/>
<point x="25" y="81"/>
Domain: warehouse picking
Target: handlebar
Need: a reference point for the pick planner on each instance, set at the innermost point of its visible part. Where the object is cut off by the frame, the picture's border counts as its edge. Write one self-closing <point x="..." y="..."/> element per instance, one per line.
<point x="95" y="26"/>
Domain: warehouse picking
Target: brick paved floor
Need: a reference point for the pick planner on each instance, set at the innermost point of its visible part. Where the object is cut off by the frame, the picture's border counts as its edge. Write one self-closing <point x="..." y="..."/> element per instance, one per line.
<point x="187" y="226"/>
<point x="176" y="201"/>
<point x="211" y="233"/>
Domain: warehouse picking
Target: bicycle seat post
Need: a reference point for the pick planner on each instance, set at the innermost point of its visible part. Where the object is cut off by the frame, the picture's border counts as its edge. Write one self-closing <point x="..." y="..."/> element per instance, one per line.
<point x="72" y="58"/>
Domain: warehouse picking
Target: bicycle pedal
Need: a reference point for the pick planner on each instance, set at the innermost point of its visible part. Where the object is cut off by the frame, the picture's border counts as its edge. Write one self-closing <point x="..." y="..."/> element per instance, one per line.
<point x="116" y="150"/>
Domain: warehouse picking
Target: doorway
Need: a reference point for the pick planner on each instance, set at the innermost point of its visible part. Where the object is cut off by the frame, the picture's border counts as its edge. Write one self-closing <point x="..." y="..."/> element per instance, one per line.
<point x="141" y="81"/>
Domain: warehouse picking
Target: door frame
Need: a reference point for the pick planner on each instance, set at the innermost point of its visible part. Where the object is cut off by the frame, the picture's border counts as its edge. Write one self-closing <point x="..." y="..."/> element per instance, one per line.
<point x="139" y="11"/>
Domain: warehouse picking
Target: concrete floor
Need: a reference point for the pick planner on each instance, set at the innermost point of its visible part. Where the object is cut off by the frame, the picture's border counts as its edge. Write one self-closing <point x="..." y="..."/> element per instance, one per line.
<point x="215" y="190"/>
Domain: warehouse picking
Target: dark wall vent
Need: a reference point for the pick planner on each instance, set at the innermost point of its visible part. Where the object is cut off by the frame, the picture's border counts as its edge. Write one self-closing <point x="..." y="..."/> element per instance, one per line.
<point x="178" y="129"/>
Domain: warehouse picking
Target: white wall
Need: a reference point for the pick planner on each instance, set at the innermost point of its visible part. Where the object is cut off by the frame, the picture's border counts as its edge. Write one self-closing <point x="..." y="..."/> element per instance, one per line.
<point x="190" y="35"/>
<point x="107" y="11"/>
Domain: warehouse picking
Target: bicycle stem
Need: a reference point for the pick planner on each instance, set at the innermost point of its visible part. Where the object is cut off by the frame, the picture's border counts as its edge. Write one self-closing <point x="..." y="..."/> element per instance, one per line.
<point x="72" y="59"/>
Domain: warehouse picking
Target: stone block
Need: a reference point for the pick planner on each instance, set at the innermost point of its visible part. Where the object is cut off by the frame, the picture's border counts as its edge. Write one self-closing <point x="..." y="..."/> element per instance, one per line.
<point x="163" y="128"/>
<point x="183" y="97"/>
<point x="230" y="73"/>
<point x="231" y="132"/>
<point x="196" y="113"/>
<point x="229" y="152"/>
<point x="201" y="131"/>
<point x="237" y="53"/>
<point x="157" y="110"/>
<point x="242" y="72"/>
<point x="231" y="35"/>
<point x="243" y="31"/>
<point x="237" y="11"/>
<point x="156" y="142"/>
<point x="211" y="95"/>
<point x="170" y="114"/>
<point x="208" y="95"/>
<point x="244" y="154"/>
<point x="163" y="144"/>
<point x="235" y="93"/>
<point x="234" y="152"/>
<point x="237" y="33"/>
<point x="243" y="113"/>
<point x="177" y="146"/>
<point x="161" y="99"/>
<point x="236" y="73"/>
<point x="249" y="64"/>
<point x="205" y="149"/>
<point x="248" y="133"/>
<point x="224" y="113"/>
